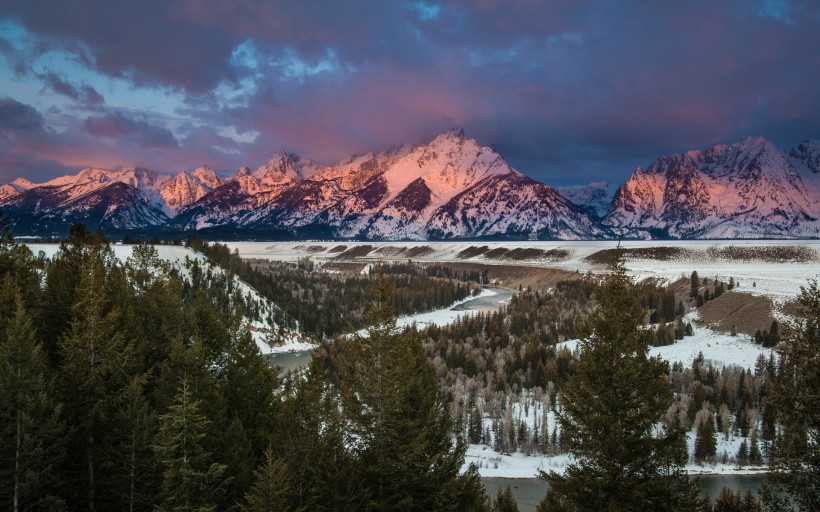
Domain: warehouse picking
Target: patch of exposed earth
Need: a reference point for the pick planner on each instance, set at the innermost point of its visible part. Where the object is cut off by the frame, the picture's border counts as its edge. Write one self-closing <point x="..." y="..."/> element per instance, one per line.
<point x="744" y="312"/>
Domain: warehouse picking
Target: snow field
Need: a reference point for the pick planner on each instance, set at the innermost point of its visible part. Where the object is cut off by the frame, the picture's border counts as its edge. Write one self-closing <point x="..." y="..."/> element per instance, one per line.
<point x="779" y="280"/>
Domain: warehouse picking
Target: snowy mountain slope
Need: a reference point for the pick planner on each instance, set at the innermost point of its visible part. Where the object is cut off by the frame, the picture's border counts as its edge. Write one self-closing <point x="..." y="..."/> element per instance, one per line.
<point x="405" y="215"/>
<point x="391" y="195"/>
<point x="187" y="188"/>
<point x="806" y="159"/>
<point x="512" y="206"/>
<point x="747" y="189"/>
<point x="595" y="197"/>
<point x="266" y="329"/>
<point x="451" y="187"/>
<point x="116" y="206"/>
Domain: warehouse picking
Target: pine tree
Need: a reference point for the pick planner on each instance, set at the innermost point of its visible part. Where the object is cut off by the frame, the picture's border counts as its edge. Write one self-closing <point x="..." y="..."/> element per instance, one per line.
<point x="79" y="251"/>
<point x="397" y="417"/>
<point x="727" y="501"/>
<point x="694" y="285"/>
<point x="96" y="367"/>
<point x="270" y="488"/>
<point x="310" y="439"/>
<point x="30" y="420"/>
<point x="750" y="503"/>
<point x="191" y="481"/>
<point x="17" y="262"/>
<point x="134" y="427"/>
<point x="705" y="442"/>
<point x="476" y="425"/>
<point x="157" y="296"/>
<point x="250" y="390"/>
<point x="794" y="395"/>
<point x="505" y="501"/>
<point x="610" y="413"/>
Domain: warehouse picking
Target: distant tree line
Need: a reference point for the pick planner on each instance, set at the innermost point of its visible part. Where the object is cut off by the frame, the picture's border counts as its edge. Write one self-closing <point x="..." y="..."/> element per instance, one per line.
<point x="321" y="304"/>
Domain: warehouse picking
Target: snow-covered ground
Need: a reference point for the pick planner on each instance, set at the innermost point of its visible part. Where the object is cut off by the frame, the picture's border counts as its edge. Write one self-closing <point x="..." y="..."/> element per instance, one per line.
<point x="518" y="465"/>
<point x="781" y="280"/>
<point x="443" y="316"/>
<point x="720" y="349"/>
<point x="177" y="256"/>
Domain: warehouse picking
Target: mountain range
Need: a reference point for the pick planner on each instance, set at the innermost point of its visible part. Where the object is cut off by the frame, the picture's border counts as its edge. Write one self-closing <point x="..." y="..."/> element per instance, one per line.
<point x="449" y="188"/>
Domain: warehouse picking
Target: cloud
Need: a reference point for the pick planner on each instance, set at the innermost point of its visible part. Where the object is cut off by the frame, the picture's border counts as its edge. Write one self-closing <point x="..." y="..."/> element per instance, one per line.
<point x="16" y="116"/>
<point x="135" y="131"/>
<point x="83" y="93"/>
<point x="575" y="85"/>
<point x="23" y="142"/>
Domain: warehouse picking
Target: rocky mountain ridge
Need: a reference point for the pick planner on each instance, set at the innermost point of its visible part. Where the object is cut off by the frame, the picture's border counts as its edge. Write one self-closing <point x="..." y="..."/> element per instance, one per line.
<point x="748" y="189"/>
<point x="449" y="188"/>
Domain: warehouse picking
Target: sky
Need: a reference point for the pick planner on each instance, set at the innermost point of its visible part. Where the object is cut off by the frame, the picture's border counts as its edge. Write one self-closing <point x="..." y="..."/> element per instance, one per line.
<point x="568" y="91"/>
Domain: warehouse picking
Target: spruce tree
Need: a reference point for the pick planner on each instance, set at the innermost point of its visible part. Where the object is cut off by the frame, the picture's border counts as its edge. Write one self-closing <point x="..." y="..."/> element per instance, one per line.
<point x="706" y="441"/>
<point x="611" y="414"/>
<point x="397" y="416"/>
<point x="190" y="480"/>
<point x="97" y="365"/>
<point x="270" y="487"/>
<point x="310" y="438"/>
<point x="31" y="424"/>
<point x="794" y="395"/>
<point x="505" y="501"/>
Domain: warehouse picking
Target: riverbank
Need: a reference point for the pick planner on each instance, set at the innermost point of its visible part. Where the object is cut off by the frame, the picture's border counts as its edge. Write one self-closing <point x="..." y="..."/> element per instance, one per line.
<point x="529" y="492"/>
<point x="492" y="464"/>
<point x="441" y="316"/>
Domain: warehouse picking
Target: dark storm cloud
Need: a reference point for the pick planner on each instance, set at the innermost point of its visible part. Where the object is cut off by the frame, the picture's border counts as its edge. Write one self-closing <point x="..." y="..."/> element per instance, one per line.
<point x="16" y="116"/>
<point x="143" y="41"/>
<point x="22" y="137"/>
<point x="136" y="131"/>
<point x="591" y="87"/>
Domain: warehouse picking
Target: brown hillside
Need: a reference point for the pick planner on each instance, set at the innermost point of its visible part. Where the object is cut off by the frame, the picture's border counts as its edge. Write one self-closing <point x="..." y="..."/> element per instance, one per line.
<point x="746" y="312"/>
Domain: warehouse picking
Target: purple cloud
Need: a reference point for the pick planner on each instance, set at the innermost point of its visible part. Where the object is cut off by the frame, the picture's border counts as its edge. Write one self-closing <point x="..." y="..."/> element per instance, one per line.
<point x="591" y="88"/>
<point x="135" y="131"/>
<point x="16" y="116"/>
<point x="83" y="93"/>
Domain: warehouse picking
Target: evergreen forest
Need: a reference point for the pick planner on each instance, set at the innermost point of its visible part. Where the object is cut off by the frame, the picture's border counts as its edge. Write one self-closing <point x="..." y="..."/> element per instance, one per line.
<point x="129" y="385"/>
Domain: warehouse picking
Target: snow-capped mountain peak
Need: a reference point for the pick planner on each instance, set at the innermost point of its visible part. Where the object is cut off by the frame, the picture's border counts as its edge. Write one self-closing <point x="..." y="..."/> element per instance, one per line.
<point x="595" y="197"/>
<point x="282" y="169"/>
<point x="450" y="187"/>
<point x="447" y="165"/>
<point x="748" y="188"/>
<point x="186" y="188"/>
<point x="206" y="176"/>
<point x="21" y="184"/>
<point x="807" y="153"/>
